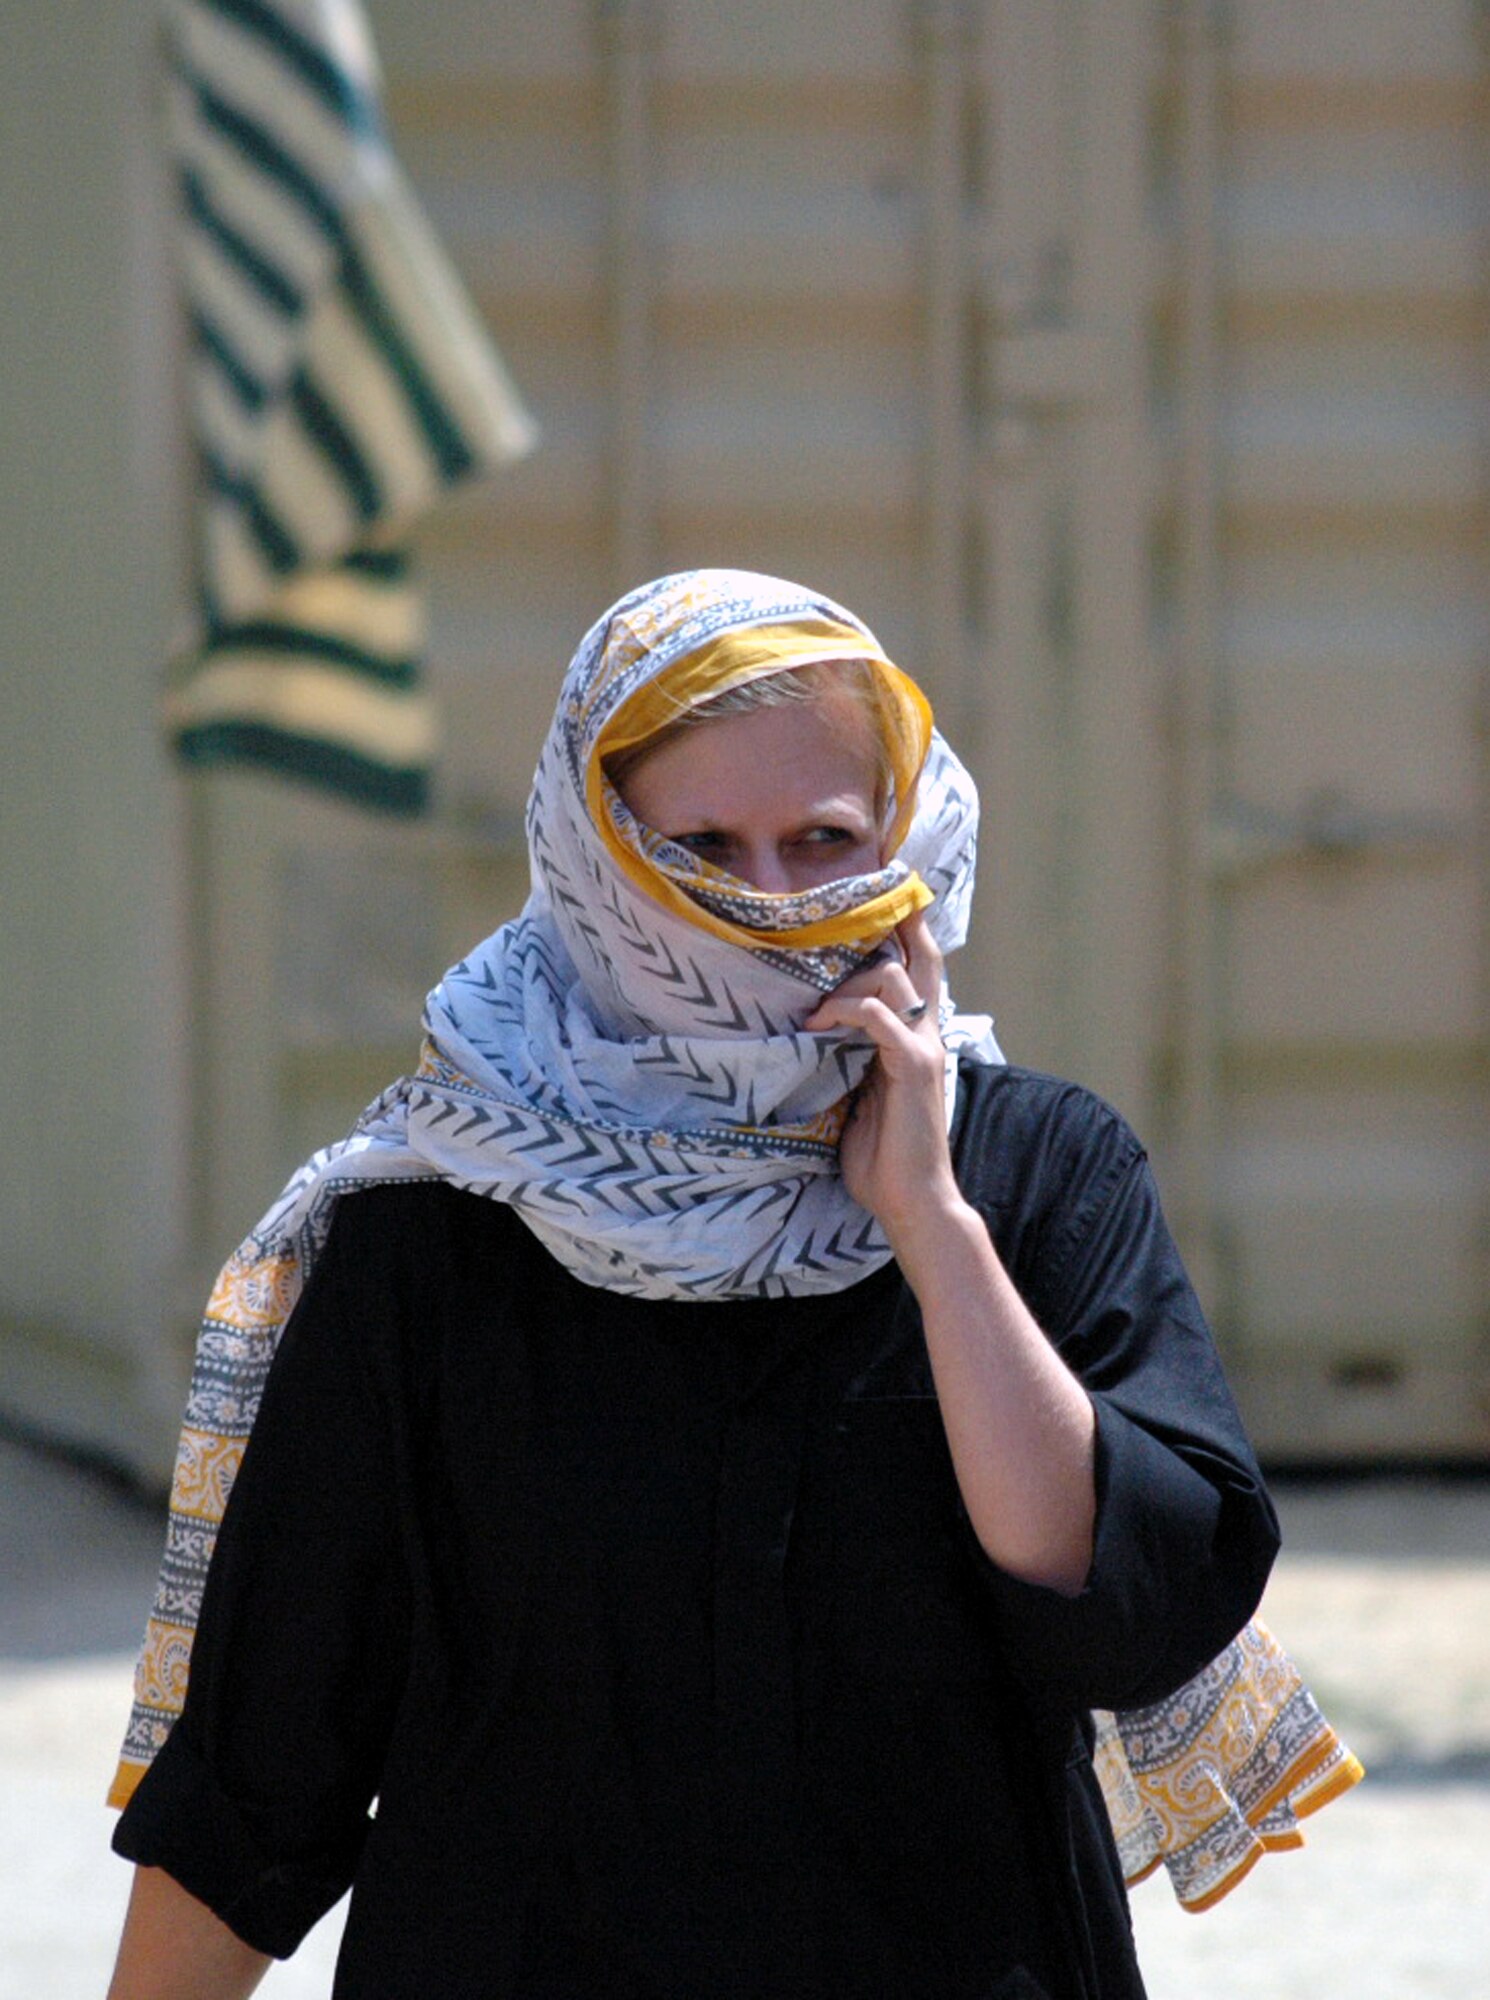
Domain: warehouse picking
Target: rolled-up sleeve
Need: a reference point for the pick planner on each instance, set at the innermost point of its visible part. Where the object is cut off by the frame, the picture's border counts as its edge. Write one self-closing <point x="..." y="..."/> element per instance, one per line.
<point x="259" y="1800"/>
<point x="183" y="1821"/>
<point x="1185" y="1533"/>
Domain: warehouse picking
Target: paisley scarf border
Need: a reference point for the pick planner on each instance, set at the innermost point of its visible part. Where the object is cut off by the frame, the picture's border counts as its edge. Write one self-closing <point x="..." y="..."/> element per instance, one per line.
<point x="1219" y="1775"/>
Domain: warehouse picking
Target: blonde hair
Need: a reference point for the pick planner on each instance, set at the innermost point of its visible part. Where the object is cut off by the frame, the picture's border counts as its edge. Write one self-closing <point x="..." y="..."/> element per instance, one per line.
<point x="815" y="682"/>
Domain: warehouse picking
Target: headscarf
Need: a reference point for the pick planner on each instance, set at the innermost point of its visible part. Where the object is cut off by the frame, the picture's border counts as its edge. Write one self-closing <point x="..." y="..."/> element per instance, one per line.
<point x="624" y="1063"/>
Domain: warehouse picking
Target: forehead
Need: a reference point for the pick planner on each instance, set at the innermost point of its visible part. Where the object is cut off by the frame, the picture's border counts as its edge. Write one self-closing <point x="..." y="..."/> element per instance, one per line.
<point x="789" y="759"/>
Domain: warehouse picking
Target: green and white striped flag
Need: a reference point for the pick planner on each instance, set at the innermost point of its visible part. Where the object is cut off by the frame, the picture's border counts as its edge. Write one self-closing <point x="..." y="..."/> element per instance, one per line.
<point x="340" y="382"/>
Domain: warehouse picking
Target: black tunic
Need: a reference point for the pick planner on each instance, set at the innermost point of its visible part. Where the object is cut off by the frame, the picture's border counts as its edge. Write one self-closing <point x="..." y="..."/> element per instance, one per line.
<point x="658" y="1631"/>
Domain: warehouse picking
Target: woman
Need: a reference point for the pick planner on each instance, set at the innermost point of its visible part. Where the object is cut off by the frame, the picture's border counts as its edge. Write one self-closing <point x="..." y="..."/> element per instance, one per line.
<point x="734" y="1437"/>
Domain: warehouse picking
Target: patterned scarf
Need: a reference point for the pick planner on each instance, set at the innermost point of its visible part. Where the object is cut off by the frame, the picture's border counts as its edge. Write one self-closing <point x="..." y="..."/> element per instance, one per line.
<point x="624" y="1063"/>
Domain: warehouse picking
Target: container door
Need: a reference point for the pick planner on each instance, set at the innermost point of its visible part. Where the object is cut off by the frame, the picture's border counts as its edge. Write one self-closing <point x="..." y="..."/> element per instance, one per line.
<point x="1324" y="580"/>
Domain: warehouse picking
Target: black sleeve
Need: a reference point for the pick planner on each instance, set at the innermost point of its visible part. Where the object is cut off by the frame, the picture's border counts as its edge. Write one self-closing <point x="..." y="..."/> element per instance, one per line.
<point x="1185" y="1532"/>
<point x="258" y="1801"/>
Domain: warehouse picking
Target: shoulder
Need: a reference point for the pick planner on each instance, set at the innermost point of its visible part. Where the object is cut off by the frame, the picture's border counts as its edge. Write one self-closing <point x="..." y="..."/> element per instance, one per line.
<point x="373" y="1206"/>
<point x="1044" y="1161"/>
<point x="1019" y="1131"/>
<point x="379" y="1209"/>
<point x="391" y="1232"/>
<point x="424" y="1284"/>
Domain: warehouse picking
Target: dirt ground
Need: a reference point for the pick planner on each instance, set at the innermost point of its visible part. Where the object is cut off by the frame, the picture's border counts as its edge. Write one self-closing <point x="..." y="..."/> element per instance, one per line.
<point x="1383" y="1595"/>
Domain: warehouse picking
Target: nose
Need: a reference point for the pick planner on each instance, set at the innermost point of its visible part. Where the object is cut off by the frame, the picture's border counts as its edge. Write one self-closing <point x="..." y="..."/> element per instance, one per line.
<point x="764" y="868"/>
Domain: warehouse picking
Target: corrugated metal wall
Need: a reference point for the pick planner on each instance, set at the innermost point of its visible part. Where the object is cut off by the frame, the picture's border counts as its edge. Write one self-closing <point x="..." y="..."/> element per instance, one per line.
<point x="1123" y="364"/>
<point x="1323" y="356"/>
<point x="89" y="1233"/>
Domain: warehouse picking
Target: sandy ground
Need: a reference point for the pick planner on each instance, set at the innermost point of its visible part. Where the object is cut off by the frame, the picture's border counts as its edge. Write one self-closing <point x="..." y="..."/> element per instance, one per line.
<point x="1383" y="1596"/>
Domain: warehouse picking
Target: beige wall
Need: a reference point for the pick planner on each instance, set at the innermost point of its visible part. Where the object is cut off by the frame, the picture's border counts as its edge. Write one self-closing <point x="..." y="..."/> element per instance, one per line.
<point x="1122" y="363"/>
<point x="90" y="1006"/>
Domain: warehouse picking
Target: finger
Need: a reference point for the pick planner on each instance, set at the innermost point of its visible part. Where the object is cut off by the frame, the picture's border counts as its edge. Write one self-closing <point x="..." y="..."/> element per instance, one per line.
<point x="868" y="1014"/>
<point x="923" y="958"/>
<point x="910" y="992"/>
<point x="881" y="975"/>
<point x="887" y="982"/>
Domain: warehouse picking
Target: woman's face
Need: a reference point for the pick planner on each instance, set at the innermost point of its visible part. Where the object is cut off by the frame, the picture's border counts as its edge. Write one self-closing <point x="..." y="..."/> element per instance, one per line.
<point x="782" y="798"/>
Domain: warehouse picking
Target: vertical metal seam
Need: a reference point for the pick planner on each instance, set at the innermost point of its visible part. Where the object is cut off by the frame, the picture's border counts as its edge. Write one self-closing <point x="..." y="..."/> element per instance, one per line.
<point x="1007" y="731"/>
<point x="1481" y="834"/>
<point x="943" y="28"/>
<point x="1109" y="942"/>
<point x="627" y="41"/>
<point x="1196" y="941"/>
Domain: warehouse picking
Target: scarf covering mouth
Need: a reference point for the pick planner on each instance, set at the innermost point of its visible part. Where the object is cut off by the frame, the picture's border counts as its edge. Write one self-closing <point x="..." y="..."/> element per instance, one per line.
<point x="624" y="1063"/>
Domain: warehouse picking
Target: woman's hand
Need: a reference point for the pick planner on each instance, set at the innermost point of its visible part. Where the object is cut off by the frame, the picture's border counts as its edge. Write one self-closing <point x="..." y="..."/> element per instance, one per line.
<point x="894" y="1153"/>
